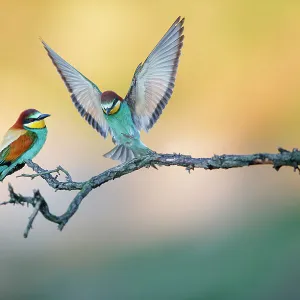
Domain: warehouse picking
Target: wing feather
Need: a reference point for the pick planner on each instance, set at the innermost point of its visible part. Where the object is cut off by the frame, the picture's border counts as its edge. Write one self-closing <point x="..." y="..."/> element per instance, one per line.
<point x="16" y="147"/>
<point x="84" y="93"/>
<point x="153" y="81"/>
<point x="10" y="136"/>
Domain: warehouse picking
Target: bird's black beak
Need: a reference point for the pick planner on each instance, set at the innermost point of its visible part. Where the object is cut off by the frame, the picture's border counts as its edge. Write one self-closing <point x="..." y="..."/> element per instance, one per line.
<point x="43" y="116"/>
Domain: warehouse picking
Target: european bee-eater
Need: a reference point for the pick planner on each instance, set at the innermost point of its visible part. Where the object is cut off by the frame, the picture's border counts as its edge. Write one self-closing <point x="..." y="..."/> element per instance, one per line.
<point x="150" y="90"/>
<point x="22" y="141"/>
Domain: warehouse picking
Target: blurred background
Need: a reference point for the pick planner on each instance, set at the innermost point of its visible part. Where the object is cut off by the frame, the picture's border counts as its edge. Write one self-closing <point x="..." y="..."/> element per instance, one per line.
<point x="158" y="234"/>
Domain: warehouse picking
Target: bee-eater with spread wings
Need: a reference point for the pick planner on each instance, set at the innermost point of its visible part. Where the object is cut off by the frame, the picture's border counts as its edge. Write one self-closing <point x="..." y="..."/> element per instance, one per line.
<point x="150" y="90"/>
<point x="22" y="141"/>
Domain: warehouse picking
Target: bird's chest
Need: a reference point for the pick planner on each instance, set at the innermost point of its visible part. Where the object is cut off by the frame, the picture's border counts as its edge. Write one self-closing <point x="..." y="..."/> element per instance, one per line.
<point x="40" y="140"/>
<point x="121" y="125"/>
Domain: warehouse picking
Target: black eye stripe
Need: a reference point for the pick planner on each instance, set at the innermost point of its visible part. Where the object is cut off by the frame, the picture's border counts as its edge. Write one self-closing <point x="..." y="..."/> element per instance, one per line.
<point x="29" y="120"/>
<point x="116" y="100"/>
<point x="114" y="103"/>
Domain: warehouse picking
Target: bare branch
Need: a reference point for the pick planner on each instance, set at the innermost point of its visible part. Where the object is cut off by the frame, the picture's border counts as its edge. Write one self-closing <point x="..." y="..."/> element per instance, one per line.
<point x="283" y="158"/>
<point x="32" y="217"/>
<point x="57" y="170"/>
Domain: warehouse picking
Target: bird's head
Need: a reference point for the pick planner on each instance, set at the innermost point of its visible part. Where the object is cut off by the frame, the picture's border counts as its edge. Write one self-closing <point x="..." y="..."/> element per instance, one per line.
<point x="31" y="119"/>
<point x="110" y="102"/>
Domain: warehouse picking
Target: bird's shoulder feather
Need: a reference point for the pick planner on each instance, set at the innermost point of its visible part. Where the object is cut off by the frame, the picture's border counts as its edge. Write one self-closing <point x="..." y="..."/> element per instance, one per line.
<point x="10" y="136"/>
<point x="17" y="146"/>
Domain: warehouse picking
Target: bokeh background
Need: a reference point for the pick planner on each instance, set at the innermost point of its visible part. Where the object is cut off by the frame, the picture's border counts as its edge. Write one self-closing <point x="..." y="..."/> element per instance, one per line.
<point x="158" y="234"/>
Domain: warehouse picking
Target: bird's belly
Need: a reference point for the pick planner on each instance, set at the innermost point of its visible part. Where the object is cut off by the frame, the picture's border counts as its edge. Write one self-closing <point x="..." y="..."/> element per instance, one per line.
<point x="122" y="130"/>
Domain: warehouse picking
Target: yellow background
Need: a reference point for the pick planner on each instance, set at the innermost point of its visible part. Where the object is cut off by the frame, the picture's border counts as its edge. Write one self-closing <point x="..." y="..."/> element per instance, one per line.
<point x="237" y="92"/>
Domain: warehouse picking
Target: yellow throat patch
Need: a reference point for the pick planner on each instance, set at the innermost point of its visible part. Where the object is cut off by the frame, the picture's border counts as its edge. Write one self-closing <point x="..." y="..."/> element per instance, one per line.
<point x="115" y="109"/>
<point x="36" y="124"/>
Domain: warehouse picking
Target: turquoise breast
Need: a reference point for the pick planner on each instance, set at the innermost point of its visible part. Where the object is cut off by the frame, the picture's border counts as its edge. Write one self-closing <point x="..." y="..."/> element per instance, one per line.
<point x="121" y="125"/>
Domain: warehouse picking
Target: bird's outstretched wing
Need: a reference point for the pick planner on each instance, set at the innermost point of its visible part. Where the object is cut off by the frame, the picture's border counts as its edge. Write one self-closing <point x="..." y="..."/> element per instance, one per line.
<point x="84" y="93"/>
<point x="153" y="81"/>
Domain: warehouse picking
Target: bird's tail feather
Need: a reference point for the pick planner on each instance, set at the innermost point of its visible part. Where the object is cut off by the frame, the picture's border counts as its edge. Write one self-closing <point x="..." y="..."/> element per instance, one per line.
<point x="6" y="170"/>
<point x="123" y="153"/>
<point x="2" y="169"/>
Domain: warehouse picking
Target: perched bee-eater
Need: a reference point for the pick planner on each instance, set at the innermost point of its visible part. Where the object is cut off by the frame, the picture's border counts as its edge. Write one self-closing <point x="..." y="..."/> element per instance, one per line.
<point x="22" y="141"/>
<point x="150" y="90"/>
